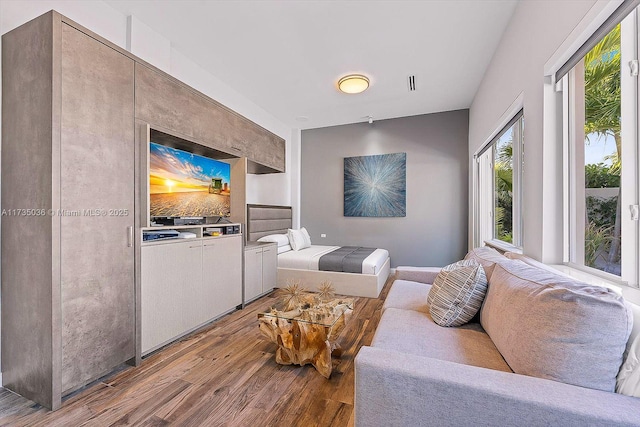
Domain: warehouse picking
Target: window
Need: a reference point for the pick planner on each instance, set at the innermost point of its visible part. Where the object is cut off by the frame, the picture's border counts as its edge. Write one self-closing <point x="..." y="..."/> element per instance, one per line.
<point x="499" y="168"/>
<point x="600" y="116"/>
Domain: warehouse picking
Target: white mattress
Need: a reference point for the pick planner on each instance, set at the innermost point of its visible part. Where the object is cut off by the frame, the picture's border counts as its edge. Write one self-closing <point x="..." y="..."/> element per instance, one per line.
<point x="309" y="258"/>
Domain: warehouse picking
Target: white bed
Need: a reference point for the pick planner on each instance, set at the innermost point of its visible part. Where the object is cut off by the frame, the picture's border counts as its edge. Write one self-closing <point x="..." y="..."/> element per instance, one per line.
<point x="309" y="258"/>
<point x="302" y="266"/>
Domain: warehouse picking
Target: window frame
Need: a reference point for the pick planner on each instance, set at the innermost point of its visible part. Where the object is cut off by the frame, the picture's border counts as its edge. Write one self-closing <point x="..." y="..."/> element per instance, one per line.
<point x="630" y="182"/>
<point x="484" y="192"/>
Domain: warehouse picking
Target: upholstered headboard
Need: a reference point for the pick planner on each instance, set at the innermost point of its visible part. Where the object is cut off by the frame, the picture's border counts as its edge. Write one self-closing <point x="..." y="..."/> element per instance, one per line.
<point x="263" y="220"/>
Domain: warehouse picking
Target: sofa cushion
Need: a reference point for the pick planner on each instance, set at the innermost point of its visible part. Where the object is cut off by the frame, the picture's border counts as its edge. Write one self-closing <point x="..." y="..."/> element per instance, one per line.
<point x="407" y="295"/>
<point x="457" y="293"/>
<point x="552" y="327"/>
<point x="487" y="257"/>
<point x="413" y="332"/>
<point x="532" y="262"/>
<point x="417" y="274"/>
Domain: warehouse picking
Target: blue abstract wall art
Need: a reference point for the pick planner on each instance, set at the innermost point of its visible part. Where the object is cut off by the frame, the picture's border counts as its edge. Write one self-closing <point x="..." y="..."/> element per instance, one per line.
<point x="376" y="186"/>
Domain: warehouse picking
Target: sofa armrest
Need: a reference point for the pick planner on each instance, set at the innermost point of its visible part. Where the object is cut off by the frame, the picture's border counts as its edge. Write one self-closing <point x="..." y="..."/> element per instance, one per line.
<point x="397" y="389"/>
<point x="417" y="274"/>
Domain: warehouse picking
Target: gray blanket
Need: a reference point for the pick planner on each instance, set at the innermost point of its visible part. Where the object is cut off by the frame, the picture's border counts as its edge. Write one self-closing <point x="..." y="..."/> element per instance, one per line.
<point x="347" y="259"/>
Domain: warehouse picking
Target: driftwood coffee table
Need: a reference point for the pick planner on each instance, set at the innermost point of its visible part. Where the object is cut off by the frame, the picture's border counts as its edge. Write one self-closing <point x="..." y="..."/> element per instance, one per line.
<point x="307" y="333"/>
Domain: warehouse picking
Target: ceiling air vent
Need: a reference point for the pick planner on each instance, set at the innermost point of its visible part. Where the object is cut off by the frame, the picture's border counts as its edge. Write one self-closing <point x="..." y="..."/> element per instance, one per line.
<point x="411" y="81"/>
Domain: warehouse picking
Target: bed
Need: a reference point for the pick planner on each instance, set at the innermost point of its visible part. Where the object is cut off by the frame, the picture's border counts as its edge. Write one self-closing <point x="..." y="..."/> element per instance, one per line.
<point x="303" y="265"/>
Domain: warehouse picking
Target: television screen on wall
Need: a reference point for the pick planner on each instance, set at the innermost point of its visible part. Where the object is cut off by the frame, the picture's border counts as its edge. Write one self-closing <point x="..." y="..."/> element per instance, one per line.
<point x="183" y="184"/>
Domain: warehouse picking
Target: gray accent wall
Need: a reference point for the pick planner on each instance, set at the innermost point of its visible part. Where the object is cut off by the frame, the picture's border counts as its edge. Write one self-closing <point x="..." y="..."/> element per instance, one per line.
<point x="434" y="231"/>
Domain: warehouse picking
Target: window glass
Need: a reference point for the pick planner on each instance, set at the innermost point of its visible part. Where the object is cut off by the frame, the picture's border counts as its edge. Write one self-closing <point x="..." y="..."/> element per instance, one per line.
<point x="503" y="186"/>
<point x="499" y="184"/>
<point x="597" y="156"/>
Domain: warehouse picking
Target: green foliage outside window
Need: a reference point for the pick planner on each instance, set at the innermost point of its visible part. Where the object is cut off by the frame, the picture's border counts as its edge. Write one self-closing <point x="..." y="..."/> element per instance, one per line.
<point x="602" y="119"/>
<point x="503" y="174"/>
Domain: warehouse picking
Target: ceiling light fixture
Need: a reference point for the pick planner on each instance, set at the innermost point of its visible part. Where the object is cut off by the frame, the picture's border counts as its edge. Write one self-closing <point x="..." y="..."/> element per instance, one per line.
<point x="353" y="83"/>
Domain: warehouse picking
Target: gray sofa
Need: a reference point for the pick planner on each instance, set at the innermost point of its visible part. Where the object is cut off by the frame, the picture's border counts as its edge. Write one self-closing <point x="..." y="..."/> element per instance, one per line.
<point x="416" y="373"/>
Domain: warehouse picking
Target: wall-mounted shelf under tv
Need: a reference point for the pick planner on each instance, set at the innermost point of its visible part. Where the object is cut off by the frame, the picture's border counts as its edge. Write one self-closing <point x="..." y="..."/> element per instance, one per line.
<point x="168" y="234"/>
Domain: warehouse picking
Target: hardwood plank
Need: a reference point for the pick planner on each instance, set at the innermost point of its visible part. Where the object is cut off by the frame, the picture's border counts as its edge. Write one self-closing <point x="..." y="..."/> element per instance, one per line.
<point x="223" y="374"/>
<point x="138" y="408"/>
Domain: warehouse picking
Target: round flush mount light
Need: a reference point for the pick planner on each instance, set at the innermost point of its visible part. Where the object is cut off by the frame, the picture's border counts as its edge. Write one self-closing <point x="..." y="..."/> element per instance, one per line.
<point x="353" y="83"/>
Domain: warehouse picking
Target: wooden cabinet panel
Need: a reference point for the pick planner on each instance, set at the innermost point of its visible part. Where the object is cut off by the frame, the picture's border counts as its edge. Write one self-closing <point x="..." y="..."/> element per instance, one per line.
<point x="269" y="268"/>
<point x="263" y="147"/>
<point x="222" y="274"/>
<point x="171" y="278"/>
<point x="260" y="270"/>
<point x="30" y="285"/>
<point x="167" y="104"/>
<point x="97" y="159"/>
<point x="172" y="106"/>
<point x="186" y="284"/>
<point x="252" y="273"/>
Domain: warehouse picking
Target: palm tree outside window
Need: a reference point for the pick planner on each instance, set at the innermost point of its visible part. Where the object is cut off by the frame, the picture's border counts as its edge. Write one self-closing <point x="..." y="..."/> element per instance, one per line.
<point x="602" y="125"/>
<point x="499" y="187"/>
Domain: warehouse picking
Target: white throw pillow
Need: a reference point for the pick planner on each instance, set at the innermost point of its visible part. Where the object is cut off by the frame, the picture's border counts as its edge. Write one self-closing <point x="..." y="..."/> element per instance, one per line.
<point x="628" y="380"/>
<point x="298" y="240"/>
<point x="280" y="239"/>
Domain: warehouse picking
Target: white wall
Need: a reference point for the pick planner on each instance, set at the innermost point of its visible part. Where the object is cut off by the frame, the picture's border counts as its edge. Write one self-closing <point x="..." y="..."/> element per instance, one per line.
<point x="536" y="30"/>
<point x="132" y="34"/>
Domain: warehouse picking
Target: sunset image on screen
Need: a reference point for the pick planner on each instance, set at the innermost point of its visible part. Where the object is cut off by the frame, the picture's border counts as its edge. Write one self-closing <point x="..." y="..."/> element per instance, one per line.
<point x="186" y="184"/>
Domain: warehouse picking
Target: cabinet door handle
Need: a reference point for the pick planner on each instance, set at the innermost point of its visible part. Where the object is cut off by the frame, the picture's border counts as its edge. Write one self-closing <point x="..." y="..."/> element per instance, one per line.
<point x="129" y="236"/>
<point x="195" y="247"/>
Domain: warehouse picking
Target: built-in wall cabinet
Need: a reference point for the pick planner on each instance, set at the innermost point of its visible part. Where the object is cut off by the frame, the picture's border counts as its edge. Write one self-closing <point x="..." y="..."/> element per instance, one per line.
<point x="260" y="269"/>
<point x="198" y="118"/>
<point x="76" y="116"/>
<point x="68" y="151"/>
<point x="187" y="283"/>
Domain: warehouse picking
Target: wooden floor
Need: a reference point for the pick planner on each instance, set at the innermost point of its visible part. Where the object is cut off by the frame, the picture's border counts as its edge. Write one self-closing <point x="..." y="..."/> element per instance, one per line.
<point x="223" y="375"/>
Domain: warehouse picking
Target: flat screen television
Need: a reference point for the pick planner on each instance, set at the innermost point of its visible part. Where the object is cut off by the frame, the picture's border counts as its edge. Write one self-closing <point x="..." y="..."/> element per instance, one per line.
<point x="183" y="184"/>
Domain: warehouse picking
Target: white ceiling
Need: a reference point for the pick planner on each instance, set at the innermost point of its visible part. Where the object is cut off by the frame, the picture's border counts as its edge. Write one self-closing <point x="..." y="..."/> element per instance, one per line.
<point x="286" y="56"/>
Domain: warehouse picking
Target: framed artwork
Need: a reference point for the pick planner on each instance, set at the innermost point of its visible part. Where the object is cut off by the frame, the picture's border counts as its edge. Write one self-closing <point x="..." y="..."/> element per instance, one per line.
<point x="376" y="186"/>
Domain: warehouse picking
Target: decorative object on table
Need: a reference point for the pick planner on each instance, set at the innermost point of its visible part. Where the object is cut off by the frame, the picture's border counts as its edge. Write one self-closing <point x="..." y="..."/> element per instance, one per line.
<point x="294" y="295"/>
<point x="307" y="333"/>
<point x="326" y="291"/>
<point x="375" y="186"/>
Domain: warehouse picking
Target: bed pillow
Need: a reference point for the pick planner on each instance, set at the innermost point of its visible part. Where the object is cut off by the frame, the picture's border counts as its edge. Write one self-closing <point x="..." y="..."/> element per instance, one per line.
<point x="283" y="249"/>
<point x="457" y="293"/>
<point x="298" y="239"/>
<point x="307" y="237"/>
<point x="279" y="239"/>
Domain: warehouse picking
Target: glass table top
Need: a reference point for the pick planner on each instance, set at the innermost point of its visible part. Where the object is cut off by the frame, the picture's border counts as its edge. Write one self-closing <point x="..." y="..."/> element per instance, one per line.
<point x="310" y="308"/>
